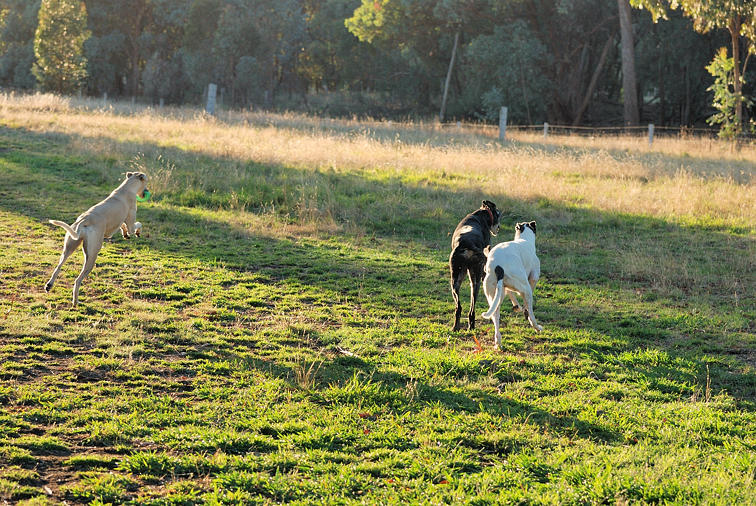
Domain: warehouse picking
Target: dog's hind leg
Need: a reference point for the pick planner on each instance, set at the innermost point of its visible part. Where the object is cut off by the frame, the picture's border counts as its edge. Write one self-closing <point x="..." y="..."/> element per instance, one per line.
<point x="475" y="273"/>
<point x="69" y="246"/>
<point x="91" y="249"/>
<point x="489" y="287"/>
<point x="457" y="273"/>
<point x="497" y="331"/>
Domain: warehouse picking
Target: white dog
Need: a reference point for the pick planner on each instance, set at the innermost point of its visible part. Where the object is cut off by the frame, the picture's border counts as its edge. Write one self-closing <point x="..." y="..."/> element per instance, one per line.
<point x="513" y="267"/>
<point x="117" y="211"/>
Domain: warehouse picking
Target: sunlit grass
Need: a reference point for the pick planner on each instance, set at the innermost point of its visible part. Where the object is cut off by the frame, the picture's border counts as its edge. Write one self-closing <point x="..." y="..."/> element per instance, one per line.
<point x="680" y="179"/>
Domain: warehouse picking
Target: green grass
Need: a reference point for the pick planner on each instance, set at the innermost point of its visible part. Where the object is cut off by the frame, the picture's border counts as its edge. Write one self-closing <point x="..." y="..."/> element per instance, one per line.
<point x="233" y="355"/>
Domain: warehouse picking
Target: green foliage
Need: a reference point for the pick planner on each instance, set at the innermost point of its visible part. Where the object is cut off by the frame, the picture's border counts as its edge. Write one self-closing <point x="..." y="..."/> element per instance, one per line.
<point x="725" y="98"/>
<point x="504" y="66"/>
<point x="383" y="58"/>
<point x="739" y="18"/>
<point x="18" y="22"/>
<point x="706" y="14"/>
<point x="59" y="45"/>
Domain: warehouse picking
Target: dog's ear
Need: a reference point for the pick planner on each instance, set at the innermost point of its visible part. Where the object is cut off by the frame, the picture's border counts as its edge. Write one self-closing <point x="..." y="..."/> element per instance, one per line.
<point x="141" y="178"/>
<point x="532" y="225"/>
<point x="489" y="204"/>
<point x="520" y="227"/>
<point x="129" y="174"/>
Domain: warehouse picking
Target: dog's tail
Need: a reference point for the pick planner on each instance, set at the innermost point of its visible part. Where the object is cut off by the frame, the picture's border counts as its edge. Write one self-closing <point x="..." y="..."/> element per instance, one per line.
<point x="496" y="302"/>
<point x="73" y="233"/>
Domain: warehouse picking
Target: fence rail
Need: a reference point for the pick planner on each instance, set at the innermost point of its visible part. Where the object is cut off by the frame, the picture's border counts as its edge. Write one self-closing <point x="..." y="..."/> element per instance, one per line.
<point x="548" y="128"/>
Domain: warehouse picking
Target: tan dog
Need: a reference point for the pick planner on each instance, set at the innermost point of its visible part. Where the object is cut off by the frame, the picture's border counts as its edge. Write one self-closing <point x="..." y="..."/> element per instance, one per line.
<point x="117" y="211"/>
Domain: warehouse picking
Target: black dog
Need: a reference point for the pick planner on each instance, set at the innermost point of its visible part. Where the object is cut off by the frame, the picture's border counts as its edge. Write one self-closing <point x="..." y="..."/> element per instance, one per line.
<point x="470" y="243"/>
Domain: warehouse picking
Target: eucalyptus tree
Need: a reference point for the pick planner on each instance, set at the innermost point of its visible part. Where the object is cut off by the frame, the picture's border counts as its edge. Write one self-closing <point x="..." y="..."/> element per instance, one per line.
<point x="58" y="45"/>
<point x="736" y="16"/>
<point x="18" y="24"/>
<point x="334" y="58"/>
<point x="426" y="33"/>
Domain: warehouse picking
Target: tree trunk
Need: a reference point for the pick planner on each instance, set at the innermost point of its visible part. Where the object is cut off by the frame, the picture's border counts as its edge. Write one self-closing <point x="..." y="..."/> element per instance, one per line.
<point x="135" y="56"/>
<point x="662" y="92"/>
<point x="448" y="78"/>
<point x="629" y="83"/>
<point x="734" y="28"/>
<point x="594" y="80"/>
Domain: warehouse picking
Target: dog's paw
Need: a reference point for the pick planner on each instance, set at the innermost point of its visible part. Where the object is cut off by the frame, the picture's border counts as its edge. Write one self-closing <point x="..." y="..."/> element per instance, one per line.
<point x="48" y="286"/>
<point x="517" y="309"/>
<point x="538" y="328"/>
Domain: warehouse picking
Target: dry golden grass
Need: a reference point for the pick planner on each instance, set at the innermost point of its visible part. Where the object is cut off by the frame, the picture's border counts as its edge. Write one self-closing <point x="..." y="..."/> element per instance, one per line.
<point x="675" y="178"/>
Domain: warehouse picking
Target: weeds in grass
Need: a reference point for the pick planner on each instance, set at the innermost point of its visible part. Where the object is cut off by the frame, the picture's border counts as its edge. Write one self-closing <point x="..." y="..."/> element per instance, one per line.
<point x="305" y="374"/>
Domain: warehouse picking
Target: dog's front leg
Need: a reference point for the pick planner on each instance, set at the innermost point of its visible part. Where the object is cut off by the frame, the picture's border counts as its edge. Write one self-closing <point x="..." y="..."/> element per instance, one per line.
<point x="128" y="228"/>
<point x="515" y="305"/>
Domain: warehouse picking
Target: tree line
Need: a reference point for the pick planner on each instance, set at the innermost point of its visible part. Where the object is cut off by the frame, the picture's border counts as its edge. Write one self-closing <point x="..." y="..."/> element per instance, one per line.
<point x="568" y="62"/>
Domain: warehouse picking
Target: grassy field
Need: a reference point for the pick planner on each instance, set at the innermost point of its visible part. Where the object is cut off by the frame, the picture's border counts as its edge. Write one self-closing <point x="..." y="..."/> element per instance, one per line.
<point x="281" y="331"/>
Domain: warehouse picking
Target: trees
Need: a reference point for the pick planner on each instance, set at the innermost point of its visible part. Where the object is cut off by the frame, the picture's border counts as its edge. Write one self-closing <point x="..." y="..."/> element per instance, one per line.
<point x="737" y="16"/>
<point x="18" y="23"/>
<point x="59" y="45"/>
<point x="560" y="62"/>
<point x="333" y="57"/>
<point x="423" y="33"/>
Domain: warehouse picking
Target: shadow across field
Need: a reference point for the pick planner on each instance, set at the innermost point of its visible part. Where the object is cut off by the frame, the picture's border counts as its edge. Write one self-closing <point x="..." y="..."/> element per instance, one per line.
<point x="582" y="250"/>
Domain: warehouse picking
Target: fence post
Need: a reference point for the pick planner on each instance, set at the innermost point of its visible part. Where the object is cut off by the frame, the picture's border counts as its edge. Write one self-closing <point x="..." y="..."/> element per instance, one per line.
<point x="650" y="133"/>
<point x="162" y="102"/>
<point x="105" y="98"/>
<point x="545" y="129"/>
<point x="503" y="124"/>
<point x="212" y="89"/>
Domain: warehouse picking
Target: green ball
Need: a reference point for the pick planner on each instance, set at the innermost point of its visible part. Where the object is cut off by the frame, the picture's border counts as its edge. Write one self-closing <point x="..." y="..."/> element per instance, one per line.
<point x="146" y="197"/>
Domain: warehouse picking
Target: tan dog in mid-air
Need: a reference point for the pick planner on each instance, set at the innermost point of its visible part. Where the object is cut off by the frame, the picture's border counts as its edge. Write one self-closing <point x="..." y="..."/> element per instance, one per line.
<point x="117" y="211"/>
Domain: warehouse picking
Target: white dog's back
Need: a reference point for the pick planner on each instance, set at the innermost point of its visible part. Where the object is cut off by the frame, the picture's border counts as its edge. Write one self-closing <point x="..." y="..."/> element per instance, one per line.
<point x="516" y="258"/>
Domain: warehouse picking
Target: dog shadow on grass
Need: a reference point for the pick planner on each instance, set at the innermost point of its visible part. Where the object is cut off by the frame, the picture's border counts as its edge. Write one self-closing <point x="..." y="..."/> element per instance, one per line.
<point x="585" y="254"/>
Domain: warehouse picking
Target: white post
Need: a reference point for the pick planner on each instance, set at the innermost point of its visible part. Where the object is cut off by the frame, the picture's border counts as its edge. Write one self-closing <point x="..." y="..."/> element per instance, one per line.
<point x="503" y="123"/>
<point x="212" y="89"/>
<point x="162" y="103"/>
<point x="105" y="97"/>
<point x="545" y="129"/>
<point x="650" y="133"/>
<point x="459" y="126"/>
